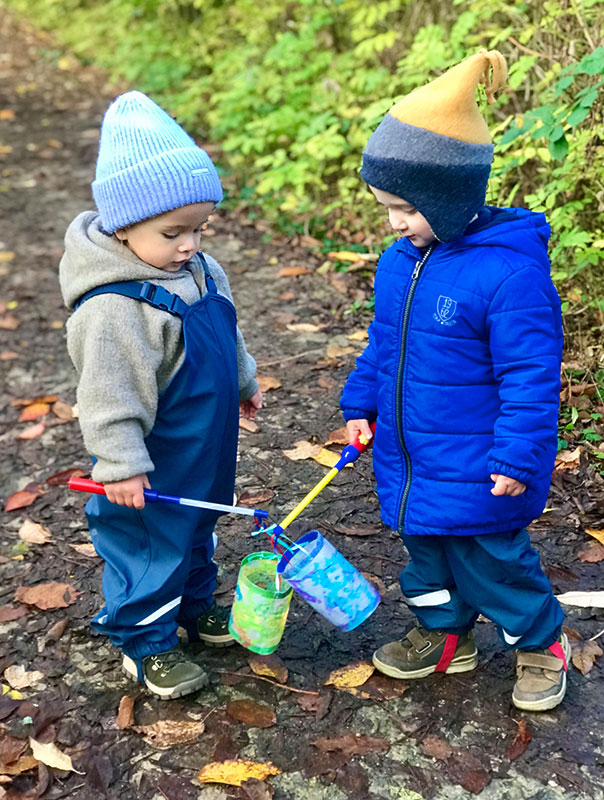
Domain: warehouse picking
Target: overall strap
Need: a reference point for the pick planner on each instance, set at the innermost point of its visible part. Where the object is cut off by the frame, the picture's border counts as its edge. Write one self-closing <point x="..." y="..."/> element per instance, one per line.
<point x="210" y="282"/>
<point x="146" y="292"/>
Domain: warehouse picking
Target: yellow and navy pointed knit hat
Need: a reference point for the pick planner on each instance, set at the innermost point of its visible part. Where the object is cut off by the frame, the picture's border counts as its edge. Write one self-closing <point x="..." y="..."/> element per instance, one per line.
<point x="433" y="148"/>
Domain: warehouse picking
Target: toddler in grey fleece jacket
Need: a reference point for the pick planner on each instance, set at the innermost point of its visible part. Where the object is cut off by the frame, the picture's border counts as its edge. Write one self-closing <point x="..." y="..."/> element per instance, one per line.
<point x="163" y="374"/>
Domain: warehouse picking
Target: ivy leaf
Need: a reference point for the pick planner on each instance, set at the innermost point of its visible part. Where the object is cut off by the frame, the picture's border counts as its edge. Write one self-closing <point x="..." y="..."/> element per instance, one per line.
<point x="559" y="148"/>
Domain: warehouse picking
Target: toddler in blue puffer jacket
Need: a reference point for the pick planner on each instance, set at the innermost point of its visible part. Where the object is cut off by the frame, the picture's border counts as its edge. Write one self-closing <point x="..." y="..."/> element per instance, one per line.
<point x="462" y="374"/>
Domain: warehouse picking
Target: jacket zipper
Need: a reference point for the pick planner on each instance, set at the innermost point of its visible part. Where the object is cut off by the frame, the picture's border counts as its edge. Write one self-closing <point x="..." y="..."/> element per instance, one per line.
<point x="399" y="382"/>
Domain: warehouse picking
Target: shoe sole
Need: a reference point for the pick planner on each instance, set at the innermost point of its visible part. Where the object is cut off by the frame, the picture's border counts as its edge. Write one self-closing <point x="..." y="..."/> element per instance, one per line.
<point x="547" y="703"/>
<point x="221" y="640"/>
<point x="462" y="664"/>
<point x="129" y="669"/>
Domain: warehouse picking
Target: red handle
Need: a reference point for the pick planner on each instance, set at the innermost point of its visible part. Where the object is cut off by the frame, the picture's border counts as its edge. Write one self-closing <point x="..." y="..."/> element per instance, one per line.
<point x="361" y="443"/>
<point x="85" y="485"/>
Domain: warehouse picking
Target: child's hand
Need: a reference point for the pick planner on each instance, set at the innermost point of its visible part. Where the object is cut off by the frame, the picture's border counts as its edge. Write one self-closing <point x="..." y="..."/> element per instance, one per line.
<point x="504" y="485"/>
<point x="356" y="426"/>
<point x="129" y="492"/>
<point x="249" y="408"/>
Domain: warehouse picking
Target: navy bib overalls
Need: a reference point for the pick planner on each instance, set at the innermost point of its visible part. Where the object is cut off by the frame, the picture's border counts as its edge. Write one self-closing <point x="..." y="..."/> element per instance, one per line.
<point x="159" y="570"/>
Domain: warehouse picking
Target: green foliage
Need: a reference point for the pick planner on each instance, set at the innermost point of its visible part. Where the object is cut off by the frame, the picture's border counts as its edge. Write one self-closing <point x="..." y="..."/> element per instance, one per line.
<point x="291" y="91"/>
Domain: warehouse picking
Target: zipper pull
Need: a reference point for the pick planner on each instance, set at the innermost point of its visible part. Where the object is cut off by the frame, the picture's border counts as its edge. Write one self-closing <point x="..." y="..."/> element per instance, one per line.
<point x="418" y="265"/>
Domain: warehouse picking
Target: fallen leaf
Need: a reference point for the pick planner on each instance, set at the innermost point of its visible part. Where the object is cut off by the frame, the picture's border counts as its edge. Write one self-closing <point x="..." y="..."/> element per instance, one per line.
<point x="316" y="704"/>
<point x="235" y="771"/>
<point x="468" y="772"/>
<point x="302" y="450"/>
<point x="359" y="336"/>
<point x="568" y="459"/>
<point x="597" y="534"/>
<point x="256" y="715"/>
<point x="592" y="553"/>
<point x="47" y="595"/>
<point x="34" y="533"/>
<point x="584" y="655"/>
<point x="292" y="272"/>
<point x="28" y="401"/>
<point x="266" y="383"/>
<point x="166" y="733"/>
<point x="271" y="666"/>
<point x="23" y="764"/>
<point x="338" y="352"/>
<point x="352" y="744"/>
<point x="248" y="425"/>
<point x="62" y="410"/>
<point x="34" y="411"/>
<point x="11" y="748"/>
<point x="520" y="741"/>
<point x="352" y="675"/>
<point x="12" y="693"/>
<point x="57" y="630"/>
<point x="8" y="355"/>
<point x="369" y="530"/>
<point x="344" y="255"/>
<point x="437" y="748"/>
<point x="86" y="549"/>
<point x="125" y="714"/>
<point x="339" y="436"/>
<point x="7" y="114"/>
<point x="20" y="500"/>
<point x="6" y="255"/>
<point x="257" y="498"/>
<point x="9" y="614"/>
<point x="286" y="296"/>
<point x="32" y="432"/>
<point x="50" y="755"/>
<point x="304" y="327"/>
<point x="257" y="790"/>
<point x="326" y="458"/>
<point x="18" y="677"/>
<point x="62" y="478"/>
<point x="582" y="599"/>
<point x="9" y="322"/>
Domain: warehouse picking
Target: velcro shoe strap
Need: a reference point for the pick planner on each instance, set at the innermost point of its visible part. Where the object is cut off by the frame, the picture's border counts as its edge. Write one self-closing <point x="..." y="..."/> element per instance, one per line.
<point x="417" y="639"/>
<point x="539" y="660"/>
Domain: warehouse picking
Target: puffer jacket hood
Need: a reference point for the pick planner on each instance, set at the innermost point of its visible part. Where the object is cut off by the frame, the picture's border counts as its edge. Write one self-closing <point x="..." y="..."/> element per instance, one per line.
<point x="462" y="372"/>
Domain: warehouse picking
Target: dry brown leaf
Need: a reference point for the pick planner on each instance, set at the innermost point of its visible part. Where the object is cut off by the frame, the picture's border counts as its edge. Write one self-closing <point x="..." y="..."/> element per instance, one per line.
<point x="49" y="754"/>
<point x="339" y="436"/>
<point x="292" y="272"/>
<point x="9" y="322"/>
<point x="34" y="533"/>
<point x="86" y="549"/>
<point x="10" y="614"/>
<point x="437" y="748"/>
<point x="597" y="534"/>
<point x="302" y="450"/>
<point x="234" y="772"/>
<point x="248" y="425"/>
<point x="584" y="655"/>
<point x="62" y="478"/>
<point x="28" y="401"/>
<point x="520" y="741"/>
<point x="8" y="355"/>
<point x="337" y="352"/>
<point x="20" y="499"/>
<point x="351" y="676"/>
<point x="271" y="666"/>
<point x="7" y="114"/>
<point x="32" y="432"/>
<point x="359" y="336"/>
<point x="23" y="764"/>
<point x="592" y="553"/>
<point x="257" y="498"/>
<point x="304" y="327"/>
<point x="19" y="678"/>
<point x="62" y="410"/>
<point x="11" y="748"/>
<point x="6" y="255"/>
<point x="352" y="744"/>
<point x="166" y="733"/>
<point x="125" y="714"/>
<point x="568" y="459"/>
<point x="256" y="715"/>
<point x="266" y="383"/>
<point x="34" y="411"/>
<point x="316" y="704"/>
<point x="47" y="595"/>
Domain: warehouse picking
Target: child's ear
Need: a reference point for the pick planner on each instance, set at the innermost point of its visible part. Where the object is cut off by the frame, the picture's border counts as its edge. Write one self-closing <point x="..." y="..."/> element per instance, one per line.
<point x="122" y="235"/>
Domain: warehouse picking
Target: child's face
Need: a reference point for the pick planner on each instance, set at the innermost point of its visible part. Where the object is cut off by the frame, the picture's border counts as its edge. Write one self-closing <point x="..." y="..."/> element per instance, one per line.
<point x="169" y="240"/>
<point x="405" y="219"/>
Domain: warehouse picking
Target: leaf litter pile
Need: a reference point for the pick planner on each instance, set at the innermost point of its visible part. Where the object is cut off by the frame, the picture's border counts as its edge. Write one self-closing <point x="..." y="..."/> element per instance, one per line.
<point x="313" y="720"/>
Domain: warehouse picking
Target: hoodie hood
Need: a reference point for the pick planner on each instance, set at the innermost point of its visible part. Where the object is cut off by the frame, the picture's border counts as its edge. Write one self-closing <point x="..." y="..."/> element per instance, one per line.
<point x="93" y="258"/>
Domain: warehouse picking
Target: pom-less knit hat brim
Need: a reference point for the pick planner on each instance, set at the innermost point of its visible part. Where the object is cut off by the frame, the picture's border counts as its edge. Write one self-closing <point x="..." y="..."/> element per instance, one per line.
<point x="147" y="165"/>
<point x="433" y="147"/>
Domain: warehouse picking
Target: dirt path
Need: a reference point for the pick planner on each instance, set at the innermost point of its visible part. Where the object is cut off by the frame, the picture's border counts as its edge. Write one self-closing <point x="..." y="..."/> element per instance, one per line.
<point x="440" y="738"/>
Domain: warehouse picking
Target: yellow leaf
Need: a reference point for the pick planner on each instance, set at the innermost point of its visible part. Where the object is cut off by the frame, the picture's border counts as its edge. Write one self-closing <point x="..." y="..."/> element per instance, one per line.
<point x="597" y="534"/>
<point x="6" y="255"/>
<point x="7" y="114"/>
<point x="64" y="63"/>
<point x="292" y="272"/>
<point x="336" y="352"/>
<point x="302" y="450"/>
<point x="266" y="382"/>
<point x="352" y="675"/>
<point x="235" y="772"/>
<point x="359" y="336"/>
<point x="273" y="261"/>
<point x="599" y="243"/>
<point x="326" y="458"/>
<point x="13" y="693"/>
<point x="344" y="255"/>
<point x="50" y="755"/>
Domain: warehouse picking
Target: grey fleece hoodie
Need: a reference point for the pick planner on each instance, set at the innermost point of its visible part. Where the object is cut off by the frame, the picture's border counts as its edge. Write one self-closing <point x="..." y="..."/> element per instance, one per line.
<point x="125" y="351"/>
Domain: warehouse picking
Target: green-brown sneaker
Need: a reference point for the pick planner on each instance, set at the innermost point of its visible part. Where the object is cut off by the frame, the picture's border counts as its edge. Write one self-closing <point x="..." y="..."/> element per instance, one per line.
<point x="423" y="652"/>
<point x="167" y="675"/>
<point x="541" y="676"/>
<point x="211" y="627"/>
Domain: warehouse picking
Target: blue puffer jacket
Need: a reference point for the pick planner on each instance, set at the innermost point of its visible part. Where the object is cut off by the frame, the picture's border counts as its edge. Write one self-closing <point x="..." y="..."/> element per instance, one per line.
<point x="462" y="371"/>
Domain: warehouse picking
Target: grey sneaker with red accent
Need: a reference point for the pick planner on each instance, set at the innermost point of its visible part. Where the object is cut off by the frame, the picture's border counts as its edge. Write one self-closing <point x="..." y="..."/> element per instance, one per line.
<point x="541" y="676"/>
<point x="423" y="652"/>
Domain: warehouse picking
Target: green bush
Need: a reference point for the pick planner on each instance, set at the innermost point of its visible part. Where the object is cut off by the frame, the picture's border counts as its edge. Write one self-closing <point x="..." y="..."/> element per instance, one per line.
<point x="291" y="91"/>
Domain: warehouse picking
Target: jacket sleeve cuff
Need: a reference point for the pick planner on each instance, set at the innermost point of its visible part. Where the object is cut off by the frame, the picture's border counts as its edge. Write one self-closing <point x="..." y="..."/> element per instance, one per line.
<point x="249" y="390"/>
<point x="105" y="471"/>
<point x="500" y="468"/>
<point x="358" y="413"/>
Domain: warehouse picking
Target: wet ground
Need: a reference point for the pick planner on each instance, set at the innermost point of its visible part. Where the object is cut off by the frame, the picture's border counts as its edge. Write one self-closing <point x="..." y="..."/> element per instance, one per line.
<point x="443" y="737"/>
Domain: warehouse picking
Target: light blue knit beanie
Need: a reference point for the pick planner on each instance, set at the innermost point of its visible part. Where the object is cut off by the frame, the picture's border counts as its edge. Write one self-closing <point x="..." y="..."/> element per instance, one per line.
<point x="147" y="165"/>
